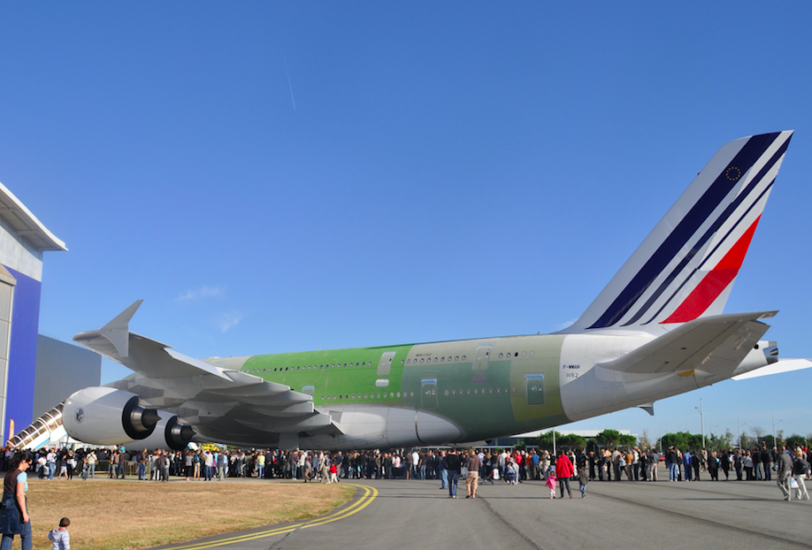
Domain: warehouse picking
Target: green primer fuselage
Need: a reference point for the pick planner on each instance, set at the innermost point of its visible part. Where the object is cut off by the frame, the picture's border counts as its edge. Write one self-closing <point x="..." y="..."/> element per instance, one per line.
<point x="487" y="387"/>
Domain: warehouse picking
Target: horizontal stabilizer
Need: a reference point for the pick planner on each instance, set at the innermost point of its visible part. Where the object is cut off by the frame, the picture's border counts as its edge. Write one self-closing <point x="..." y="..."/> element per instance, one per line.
<point x="713" y="344"/>
<point x="782" y="366"/>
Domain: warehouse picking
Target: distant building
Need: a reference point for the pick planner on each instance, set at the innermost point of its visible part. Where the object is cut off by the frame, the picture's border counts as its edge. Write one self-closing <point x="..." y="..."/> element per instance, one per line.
<point x="23" y="240"/>
<point x="61" y="370"/>
<point x="531" y="437"/>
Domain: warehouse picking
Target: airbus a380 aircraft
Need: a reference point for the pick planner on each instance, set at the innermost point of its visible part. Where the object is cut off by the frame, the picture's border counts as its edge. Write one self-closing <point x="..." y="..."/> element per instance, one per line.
<point x="655" y="331"/>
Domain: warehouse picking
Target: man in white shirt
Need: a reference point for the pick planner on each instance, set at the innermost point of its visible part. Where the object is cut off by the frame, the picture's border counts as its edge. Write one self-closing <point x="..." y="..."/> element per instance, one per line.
<point x="51" y="459"/>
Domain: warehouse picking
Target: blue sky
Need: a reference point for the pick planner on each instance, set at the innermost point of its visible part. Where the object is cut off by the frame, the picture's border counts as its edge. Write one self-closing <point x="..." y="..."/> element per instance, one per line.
<point x="287" y="176"/>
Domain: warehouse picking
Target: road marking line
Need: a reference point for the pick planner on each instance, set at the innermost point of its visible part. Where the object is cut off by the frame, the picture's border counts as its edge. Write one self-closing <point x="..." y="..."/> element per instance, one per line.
<point x="363" y="501"/>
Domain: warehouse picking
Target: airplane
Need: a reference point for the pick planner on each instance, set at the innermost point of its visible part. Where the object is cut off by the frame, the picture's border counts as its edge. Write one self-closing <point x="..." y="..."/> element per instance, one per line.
<point x="655" y="331"/>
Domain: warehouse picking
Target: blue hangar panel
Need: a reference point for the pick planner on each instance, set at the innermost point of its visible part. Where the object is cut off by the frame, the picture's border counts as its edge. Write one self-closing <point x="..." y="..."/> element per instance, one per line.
<point x="22" y="361"/>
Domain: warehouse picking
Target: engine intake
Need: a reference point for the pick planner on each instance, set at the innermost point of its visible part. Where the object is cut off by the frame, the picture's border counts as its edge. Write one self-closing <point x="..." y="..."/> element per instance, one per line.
<point x="107" y="416"/>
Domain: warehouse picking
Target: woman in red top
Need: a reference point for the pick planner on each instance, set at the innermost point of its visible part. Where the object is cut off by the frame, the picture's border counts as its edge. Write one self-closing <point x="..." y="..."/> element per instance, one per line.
<point x="563" y="471"/>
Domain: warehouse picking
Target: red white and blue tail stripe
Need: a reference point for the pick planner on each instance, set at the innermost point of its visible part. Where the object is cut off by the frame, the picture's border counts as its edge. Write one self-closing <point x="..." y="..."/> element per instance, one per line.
<point x="686" y="266"/>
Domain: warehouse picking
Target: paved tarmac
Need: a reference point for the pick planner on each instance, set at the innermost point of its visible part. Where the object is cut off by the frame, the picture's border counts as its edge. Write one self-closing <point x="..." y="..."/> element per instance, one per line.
<point x="416" y="514"/>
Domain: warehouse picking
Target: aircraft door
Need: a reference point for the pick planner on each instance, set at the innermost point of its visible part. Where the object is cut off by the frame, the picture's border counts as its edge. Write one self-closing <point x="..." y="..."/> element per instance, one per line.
<point x="481" y="361"/>
<point x="483" y="354"/>
<point x="385" y="364"/>
<point x="428" y="390"/>
<point x="534" y="386"/>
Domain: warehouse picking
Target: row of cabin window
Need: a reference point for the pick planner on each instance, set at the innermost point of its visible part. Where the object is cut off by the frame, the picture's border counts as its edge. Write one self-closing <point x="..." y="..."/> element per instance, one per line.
<point x="308" y="367"/>
<point x="476" y="391"/>
<point x="457" y="358"/>
<point x="367" y="396"/>
<point x="369" y="363"/>
<point x="436" y="359"/>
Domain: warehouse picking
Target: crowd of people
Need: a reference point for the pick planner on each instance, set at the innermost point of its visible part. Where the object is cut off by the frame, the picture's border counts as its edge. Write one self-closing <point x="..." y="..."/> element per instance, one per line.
<point x="448" y="466"/>
<point x="506" y="465"/>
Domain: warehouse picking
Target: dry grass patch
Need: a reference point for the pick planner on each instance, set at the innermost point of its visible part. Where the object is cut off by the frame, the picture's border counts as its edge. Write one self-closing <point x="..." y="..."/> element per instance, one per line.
<point x="116" y="515"/>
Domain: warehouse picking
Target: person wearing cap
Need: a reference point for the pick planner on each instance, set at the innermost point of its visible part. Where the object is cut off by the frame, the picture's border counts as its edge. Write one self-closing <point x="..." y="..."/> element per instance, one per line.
<point x="14" y="519"/>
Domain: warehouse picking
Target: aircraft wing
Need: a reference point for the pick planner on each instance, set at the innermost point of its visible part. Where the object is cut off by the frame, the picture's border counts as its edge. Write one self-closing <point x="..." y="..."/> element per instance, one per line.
<point x="714" y="344"/>
<point x="140" y="354"/>
<point x="223" y="403"/>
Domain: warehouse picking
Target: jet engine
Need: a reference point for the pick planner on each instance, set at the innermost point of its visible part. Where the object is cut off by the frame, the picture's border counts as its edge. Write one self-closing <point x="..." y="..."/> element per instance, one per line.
<point x="107" y="416"/>
<point x="168" y="434"/>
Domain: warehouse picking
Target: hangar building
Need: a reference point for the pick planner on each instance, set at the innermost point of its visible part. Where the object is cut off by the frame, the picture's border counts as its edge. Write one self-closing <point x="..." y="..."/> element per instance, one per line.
<point x="23" y="241"/>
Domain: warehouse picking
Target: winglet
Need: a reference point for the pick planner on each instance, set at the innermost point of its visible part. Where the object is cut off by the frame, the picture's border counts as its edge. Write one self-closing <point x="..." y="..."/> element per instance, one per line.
<point x="117" y="331"/>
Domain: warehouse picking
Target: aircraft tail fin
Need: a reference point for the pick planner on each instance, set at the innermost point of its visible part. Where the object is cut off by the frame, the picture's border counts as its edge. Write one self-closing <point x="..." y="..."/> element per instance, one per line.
<point x="686" y="266"/>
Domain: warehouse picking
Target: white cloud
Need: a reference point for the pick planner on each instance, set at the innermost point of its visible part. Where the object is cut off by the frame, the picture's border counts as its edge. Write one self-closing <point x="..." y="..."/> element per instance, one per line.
<point x="201" y="292"/>
<point x="229" y="320"/>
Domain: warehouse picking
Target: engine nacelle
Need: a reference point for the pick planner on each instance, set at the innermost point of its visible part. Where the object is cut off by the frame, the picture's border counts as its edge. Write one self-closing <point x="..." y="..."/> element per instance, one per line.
<point x="107" y="416"/>
<point x="168" y="434"/>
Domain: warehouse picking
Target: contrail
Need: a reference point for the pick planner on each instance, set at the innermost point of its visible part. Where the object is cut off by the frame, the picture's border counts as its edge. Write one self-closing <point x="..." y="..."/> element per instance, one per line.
<point x="292" y="99"/>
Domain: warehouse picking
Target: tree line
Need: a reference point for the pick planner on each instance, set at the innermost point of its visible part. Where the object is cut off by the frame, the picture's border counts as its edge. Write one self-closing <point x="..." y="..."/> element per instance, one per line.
<point x="681" y="440"/>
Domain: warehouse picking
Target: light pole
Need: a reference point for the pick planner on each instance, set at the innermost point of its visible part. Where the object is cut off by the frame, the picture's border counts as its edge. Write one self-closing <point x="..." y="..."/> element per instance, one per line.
<point x="660" y="439"/>
<point x="775" y="446"/>
<point x="739" y="432"/>
<point x="554" y="443"/>
<point x="702" y="416"/>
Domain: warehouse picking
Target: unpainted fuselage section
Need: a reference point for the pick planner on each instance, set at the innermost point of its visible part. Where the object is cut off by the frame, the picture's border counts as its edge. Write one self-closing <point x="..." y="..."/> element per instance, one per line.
<point x="456" y="391"/>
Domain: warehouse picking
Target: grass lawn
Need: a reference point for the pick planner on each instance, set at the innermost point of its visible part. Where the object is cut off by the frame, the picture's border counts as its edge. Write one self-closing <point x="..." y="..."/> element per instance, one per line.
<point x="119" y="515"/>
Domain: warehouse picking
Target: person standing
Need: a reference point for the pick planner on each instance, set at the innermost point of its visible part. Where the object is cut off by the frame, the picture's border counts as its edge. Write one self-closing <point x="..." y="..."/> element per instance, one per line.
<point x="671" y="459"/>
<point x="713" y="466"/>
<point x="473" y="464"/>
<point x="592" y="465"/>
<point x="766" y="461"/>
<point x="51" y="460"/>
<point x="222" y="464"/>
<point x="756" y="456"/>
<point x="737" y="464"/>
<point x="747" y="463"/>
<point x="208" y="462"/>
<point x="261" y="465"/>
<point x="187" y="464"/>
<point x="686" y="461"/>
<point x="724" y="462"/>
<point x="453" y="465"/>
<point x="583" y="479"/>
<point x="800" y="467"/>
<point x="443" y="471"/>
<point x="784" y="463"/>
<point x="551" y="481"/>
<point x="564" y="471"/>
<point x="14" y="518"/>
<point x="92" y="459"/>
<point x="141" y="469"/>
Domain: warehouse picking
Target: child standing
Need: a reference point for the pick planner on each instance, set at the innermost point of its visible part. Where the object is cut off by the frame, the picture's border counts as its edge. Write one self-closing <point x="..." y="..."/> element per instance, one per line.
<point x="551" y="483"/>
<point x="60" y="537"/>
<point x="583" y="479"/>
